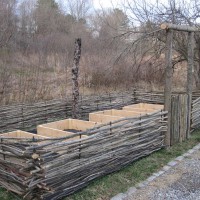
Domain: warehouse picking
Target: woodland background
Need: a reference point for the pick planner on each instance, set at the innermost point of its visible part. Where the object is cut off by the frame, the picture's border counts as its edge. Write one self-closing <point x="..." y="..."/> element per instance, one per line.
<point x="122" y="48"/>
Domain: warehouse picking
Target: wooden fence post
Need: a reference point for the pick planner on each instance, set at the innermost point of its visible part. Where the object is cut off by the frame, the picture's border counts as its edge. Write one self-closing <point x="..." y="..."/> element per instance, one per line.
<point x="75" y="74"/>
<point x="22" y="113"/>
<point x="190" y="78"/>
<point x="183" y="112"/>
<point x="134" y="96"/>
<point x="174" y="125"/>
<point x="168" y="82"/>
<point x="178" y="119"/>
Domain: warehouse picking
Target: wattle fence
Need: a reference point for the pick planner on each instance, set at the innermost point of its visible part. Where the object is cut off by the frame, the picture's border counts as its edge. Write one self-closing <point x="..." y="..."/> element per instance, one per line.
<point x="28" y="116"/>
<point x="180" y="123"/>
<point x="195" y="114"/>
<point x="53" y="168"/>
<point x="158" y="96"/>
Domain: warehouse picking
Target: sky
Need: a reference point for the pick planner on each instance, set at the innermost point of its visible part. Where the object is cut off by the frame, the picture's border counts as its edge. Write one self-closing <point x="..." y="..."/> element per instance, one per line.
<point x="105" y="3"/>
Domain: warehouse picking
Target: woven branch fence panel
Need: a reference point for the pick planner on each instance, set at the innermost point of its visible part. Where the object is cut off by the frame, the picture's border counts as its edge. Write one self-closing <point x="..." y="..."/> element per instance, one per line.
<point x="196" y="114"/>
<point x="149" y="97"/>
<point x="53" y="168"/>
<point x="157" y="97"/>
<point x="179" y="119"/>
<point x="28" y="116"/>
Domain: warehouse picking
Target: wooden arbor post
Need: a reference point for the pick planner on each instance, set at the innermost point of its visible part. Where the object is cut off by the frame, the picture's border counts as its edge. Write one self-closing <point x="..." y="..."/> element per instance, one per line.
<point x="190" y="78"/>
<point x="168" y="73"/>
<point x="75" y="74"/>
<point x="168" y="83"/>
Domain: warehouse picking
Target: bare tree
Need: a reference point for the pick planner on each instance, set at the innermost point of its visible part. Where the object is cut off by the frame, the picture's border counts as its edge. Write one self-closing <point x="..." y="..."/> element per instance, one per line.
<point x="117" y="45"/>
<point x="150" y="15"/>
<point x="79" y="8"/>
<point x="7" y="21"/>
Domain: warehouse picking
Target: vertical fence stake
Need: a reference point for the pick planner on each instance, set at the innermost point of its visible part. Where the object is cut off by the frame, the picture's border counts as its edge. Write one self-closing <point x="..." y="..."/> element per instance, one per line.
<point x="4" y="156"/>
<point x="168" y="83"/>
<point x="46" y="116"/>
<point x="80" y="146"/>
<point x="22" y="110"/>
<point x="110" y="101"/>
<point x="190" y="78"/>
<point x="110" y="128"/>
<point x="75" y="74"/>
<point x="134" y="96"/>
<point x="81" y="107"/>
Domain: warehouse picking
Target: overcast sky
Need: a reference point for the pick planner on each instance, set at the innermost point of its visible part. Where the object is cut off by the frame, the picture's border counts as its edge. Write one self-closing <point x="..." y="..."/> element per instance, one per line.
<point x="105" y="3"/>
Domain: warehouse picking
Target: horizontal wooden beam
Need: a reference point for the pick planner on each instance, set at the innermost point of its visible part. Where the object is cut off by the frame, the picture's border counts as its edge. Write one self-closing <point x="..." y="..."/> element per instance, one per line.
<point x="166" y="26"/>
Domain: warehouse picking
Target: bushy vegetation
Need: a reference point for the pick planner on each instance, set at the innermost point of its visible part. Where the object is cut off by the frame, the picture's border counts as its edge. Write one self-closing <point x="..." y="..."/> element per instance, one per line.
<point x="122" y="47"/>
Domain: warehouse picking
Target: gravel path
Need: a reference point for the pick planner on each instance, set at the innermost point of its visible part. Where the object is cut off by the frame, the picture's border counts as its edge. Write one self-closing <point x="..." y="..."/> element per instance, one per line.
<point x="180" y="182"/>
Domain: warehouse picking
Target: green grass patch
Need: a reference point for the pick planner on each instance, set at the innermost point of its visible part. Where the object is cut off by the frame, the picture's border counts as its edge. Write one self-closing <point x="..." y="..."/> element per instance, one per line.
<point x="108" y="186"/>
<point x="5" y="195"/>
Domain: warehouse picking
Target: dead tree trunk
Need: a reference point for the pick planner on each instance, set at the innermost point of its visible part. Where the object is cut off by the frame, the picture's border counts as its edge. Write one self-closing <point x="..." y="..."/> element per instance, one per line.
<point x="190" y="77"/>
<point x="198" y="72"/>
<point x="75" y="74"/>
<point x="168" y="82"/>
<point x="197" y="64"/>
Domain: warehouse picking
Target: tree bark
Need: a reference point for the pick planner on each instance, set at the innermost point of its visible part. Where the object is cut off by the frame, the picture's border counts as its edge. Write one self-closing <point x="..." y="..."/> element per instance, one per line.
<point x="197" y="63"/>
<point x="198" y="72"/>
<point x="190" y="77"/>
<point x="75" y="74"/>
<point x="168" y="83"/>
<point x="186" y="28"/>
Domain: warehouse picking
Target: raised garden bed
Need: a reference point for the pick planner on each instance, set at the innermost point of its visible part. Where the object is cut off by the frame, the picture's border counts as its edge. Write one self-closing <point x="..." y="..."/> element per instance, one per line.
<point x="21" y="134"/>
<point x="144" y="107"/>
<point x="112" y="115"/>
<point x="38" y="167"/>
<point x="65" y="128"/>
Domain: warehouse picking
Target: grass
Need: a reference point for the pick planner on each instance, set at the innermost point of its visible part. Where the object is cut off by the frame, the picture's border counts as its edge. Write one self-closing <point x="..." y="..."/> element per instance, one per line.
<point x="5" y="195"/>
<point x="110" y="185"/>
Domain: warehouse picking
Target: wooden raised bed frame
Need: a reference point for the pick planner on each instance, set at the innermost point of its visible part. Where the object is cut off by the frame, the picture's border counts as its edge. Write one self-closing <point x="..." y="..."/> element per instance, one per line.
<point x="144" y="107"/>
<point x="100" y="117"/>
<point x="21" y="134"/>
<point x="113" y="115"/>
<point x="14" y="137"/>
<point x="59" y="128"/>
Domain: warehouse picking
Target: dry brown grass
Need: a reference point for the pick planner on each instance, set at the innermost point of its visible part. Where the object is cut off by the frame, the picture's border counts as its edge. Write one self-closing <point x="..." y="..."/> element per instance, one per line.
<point x="35" y="77"/>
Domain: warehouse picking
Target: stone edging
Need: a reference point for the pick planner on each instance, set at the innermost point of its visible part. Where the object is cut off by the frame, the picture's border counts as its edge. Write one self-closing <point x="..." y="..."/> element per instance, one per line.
<point x="132" y="190"/>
